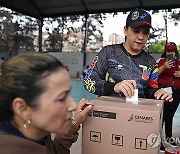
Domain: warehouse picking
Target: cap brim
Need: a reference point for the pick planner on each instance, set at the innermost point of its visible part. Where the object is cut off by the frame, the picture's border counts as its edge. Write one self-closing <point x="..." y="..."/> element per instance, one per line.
<point x="138" y="24"/>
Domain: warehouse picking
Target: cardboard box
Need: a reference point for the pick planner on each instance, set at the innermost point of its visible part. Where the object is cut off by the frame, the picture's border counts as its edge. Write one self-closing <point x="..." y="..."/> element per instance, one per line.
<point x="119" y="127"/>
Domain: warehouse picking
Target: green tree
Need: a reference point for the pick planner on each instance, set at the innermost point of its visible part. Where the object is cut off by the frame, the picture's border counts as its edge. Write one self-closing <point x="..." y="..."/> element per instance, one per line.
<point x="56" y="33"/>
<point x="17" y="31"/>
<point x="24" y="33"/>
<point x="95" y="25"/>
<point x="157" y="34"/>
<point x="6" y="28"/>
<point x="154" y="37"/>
<point x="175" y="16"/>
<point x="71" y="30"/>
<point x="157" y="47"/>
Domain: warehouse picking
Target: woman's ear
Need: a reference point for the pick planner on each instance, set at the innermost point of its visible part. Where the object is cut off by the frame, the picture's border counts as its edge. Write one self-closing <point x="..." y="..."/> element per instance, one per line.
<point x="125" y="31"/>
<point x="20" y="108"/>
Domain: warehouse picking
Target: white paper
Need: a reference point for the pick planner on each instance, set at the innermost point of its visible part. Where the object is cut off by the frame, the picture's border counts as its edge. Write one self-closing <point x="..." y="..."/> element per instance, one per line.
<point x="133" y="99"/>
<point x="168" y="90"/>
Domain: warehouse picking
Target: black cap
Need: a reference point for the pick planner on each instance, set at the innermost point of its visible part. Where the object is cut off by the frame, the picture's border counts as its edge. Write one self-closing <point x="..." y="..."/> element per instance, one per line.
<point x="138" y="17"/>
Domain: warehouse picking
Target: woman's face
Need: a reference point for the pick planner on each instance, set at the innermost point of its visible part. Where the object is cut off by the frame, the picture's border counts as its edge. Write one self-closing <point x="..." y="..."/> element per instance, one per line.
<point x="136" y="38"/>
<point x="55" y="108"/>
<point x="171" y="52"/>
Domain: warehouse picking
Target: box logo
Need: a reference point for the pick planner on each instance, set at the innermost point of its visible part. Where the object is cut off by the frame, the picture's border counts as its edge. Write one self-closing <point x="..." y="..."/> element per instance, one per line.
<point x="154" y="139"/>
<point x="140" y="118"/>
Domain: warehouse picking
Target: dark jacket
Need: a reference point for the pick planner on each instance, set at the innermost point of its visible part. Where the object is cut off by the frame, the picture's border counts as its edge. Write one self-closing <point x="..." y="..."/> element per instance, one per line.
<point x="10" y="144"/>
<point x="114" y="64"/>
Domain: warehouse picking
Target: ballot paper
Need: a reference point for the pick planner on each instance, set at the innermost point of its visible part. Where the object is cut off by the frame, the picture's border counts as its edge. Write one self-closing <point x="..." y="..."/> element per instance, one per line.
<point x="134" y="98"/>
<point x="168" y="90"/>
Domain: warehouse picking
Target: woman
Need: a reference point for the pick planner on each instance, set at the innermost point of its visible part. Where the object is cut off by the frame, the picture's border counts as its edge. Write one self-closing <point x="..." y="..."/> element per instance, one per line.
<point x="34" y="102"/>
<point x="169" y="78"/>
<point x="119" y="69"/>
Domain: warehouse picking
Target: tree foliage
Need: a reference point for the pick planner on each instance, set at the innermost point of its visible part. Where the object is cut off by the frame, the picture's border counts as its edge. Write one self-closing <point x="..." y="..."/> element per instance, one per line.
<point x="154" y="45"/>
<point x="20" y="32"/>
<point x="25" y="28"/>
<point x="175" y="17"/>
<point x="157" y="47"/>
<point x="6" y="29"/>
<point x="16" y="31"/>
<point x="155" y="35"/>
<point x="70" y="30"/>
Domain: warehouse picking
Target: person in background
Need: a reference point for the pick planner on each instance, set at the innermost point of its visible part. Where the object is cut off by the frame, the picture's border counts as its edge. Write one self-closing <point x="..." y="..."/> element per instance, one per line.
<point x="169" y="78"/>
<point x="120" y="68"/>
<point x="35" y="101"/>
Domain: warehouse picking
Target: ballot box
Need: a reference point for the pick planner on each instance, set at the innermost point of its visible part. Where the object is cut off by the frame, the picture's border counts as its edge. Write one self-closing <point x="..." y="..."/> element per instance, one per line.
<point x="115" y="126"/>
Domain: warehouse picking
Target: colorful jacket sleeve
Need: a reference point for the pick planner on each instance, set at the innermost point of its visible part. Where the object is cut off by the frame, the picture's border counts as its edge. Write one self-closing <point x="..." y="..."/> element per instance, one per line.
<point x="153" y="83"/>
<point x="94" y="80"/>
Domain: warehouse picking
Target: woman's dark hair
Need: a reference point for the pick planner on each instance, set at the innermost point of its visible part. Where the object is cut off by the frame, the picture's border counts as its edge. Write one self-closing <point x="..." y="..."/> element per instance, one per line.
<point x="21" y="76"/>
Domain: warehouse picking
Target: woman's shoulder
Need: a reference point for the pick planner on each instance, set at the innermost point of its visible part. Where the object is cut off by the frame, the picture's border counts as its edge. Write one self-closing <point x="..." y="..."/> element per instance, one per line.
<point x="160" y="60"/>
<point x="110" y="50"/>
<point x="111" y="47"/>
<point x="20" y="145"/>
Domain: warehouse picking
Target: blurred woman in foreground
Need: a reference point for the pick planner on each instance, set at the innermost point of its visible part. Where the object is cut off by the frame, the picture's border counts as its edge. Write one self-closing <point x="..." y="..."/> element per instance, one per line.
<point x="35" y="101"/>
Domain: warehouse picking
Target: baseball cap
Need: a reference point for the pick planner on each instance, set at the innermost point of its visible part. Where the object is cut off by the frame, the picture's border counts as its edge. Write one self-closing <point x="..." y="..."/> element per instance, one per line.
<point x="138" y="17"/>
<point x="171" y="46"/>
